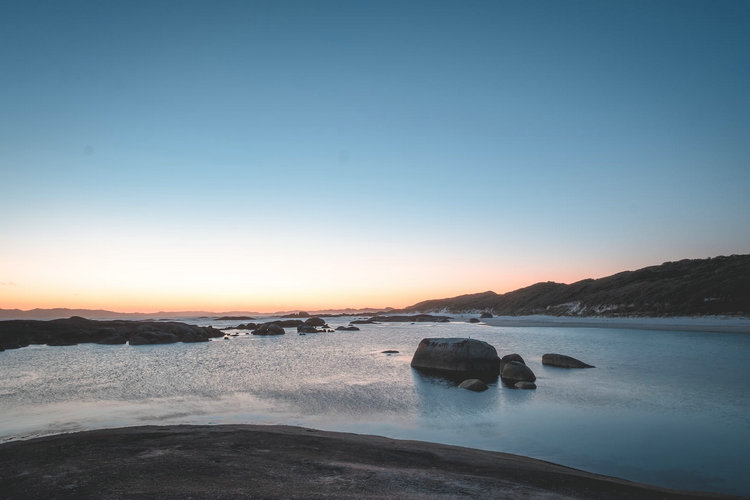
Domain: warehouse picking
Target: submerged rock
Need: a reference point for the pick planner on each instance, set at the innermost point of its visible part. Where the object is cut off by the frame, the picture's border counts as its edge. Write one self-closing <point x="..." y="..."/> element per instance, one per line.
<point x="308" y="329"/>
<point x="389" y="351"/>
<point x="514" y="372"/>
<point x="457" y="358"/>
<point x="524" y="385"/>
<point x="563" y="361"/>
<point x="347" y="328"/>
<point x="473" y="320"/>
<point x="473" y="384"/>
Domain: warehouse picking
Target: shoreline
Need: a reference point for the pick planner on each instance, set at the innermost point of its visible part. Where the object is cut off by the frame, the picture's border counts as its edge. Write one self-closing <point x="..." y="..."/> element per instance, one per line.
<point x="223" y="461"/>
<point x="714" y="324"/>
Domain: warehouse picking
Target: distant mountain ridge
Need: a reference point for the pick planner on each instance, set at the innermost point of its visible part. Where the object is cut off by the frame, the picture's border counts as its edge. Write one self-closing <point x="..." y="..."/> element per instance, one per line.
<point x="713" y="286"/>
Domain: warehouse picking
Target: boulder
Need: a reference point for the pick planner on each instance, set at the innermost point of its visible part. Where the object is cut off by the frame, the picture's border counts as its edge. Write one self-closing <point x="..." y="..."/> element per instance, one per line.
<point x="524" y="385"/>
<point x="473" y="320"/>
<point x="510" y="357"/>
<point x="563" y="361"/>
<point x="347" y="328"/>
<point x="485" y="315"/>
<point x="389" y="351"/>
<point x="457" y="358"/>
<point x="269" y="329"/>
<point x="315" y="321"/>
<point x="514" y="372"/>
<point x="308" y="329"/>
<point x="473" y="384"/>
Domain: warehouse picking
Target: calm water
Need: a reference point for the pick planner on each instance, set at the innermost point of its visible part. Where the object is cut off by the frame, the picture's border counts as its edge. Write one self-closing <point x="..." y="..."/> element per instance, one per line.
<point x="666" y="408"/>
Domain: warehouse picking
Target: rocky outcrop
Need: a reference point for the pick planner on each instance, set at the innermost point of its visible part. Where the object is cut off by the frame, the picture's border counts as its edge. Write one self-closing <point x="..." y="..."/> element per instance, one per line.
<point x="485" y="315"/>
<point x="269" y="329"/>
<point x="473" y="320"/>
<point x="347" y="328"/>
<point x="414" y="318"/>
<point x="76" y="330"/>
<point x="473" y="384"/>
<point x="316" y="321"/>
<point x="514" y="372"/>
<point x="563" y="361"/>
<point x="308" y="329"/>
<point x="457" y="358"/>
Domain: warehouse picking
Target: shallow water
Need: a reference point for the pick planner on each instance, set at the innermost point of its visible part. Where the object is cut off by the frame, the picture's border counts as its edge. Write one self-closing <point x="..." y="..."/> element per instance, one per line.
<point x="666" y="408"/>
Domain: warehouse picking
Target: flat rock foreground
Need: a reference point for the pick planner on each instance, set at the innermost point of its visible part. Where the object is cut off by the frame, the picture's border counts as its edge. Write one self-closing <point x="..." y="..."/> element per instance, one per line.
<point x="233" y="461"/>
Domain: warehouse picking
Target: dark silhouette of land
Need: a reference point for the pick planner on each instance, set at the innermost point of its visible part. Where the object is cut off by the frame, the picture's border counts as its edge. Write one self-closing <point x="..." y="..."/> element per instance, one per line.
<point x="717" y="286"/>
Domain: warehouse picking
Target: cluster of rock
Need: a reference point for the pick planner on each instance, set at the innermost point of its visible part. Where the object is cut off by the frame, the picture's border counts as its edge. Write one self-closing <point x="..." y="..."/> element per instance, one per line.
<point x="475" y="363"/>
<point x="414" y="318"/>
<point x="77" y="330"/>
<point x="310" y="325"/>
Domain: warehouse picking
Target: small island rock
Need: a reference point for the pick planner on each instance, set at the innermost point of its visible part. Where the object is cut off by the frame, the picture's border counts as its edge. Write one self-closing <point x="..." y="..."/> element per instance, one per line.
<point x="563" y="361"/>
<point x="457" y="357"/>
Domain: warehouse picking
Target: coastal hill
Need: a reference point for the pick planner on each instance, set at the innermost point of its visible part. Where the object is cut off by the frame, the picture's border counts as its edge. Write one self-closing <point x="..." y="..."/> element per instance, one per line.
<point x="719" y="285"/>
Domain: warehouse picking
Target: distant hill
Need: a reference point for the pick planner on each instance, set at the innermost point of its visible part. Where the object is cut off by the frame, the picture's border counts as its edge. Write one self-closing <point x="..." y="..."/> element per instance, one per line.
<point x="719" y="285"/>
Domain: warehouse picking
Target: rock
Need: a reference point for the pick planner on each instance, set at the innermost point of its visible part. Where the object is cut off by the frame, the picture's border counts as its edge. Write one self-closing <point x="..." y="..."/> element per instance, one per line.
<point x="389" y="351"/>
<point x="524" y="385"/>
<point x="485" y="315"/>
<point x="562" y="361"/>
<point x="113" y="338"/>
<point x="308" y="329"/>
<point x="457" y="358"/>
<point x="473" y="320"/>
<point x="510" y="357"/>
<point x="149" y="337"/>
<point x="473" y="384"/>
<point x="269" y="329"/>
<point x="347" y="328"/>
<point x="315" y="321"/>
<point x="514" y="372"/>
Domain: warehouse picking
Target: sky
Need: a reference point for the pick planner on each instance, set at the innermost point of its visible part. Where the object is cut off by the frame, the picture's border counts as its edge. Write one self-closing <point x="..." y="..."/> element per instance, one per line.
<point x="265" y="156"/>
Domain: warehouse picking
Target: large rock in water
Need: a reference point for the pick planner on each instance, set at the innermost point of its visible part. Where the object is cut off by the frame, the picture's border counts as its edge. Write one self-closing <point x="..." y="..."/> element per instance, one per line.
<point x="473" y="384"/>
<point x="457" y="358"/>
<point x="563" y="361"/>
<point x="514" y="372"/>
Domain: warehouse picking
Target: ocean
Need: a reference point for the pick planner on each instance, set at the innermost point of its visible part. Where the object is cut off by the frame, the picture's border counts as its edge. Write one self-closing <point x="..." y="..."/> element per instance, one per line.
<point x="669" y="408"/>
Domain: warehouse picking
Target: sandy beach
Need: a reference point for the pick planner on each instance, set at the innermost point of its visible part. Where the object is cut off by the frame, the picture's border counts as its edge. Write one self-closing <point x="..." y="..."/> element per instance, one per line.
<point x="231" y="461"/>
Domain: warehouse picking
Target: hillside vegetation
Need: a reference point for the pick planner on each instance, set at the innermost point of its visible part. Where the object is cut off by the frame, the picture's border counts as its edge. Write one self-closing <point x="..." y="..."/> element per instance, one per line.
<point x="719" y="285"/>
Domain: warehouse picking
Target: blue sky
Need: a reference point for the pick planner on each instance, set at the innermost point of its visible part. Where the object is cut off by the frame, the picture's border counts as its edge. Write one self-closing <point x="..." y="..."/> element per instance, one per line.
<point x="391" y="150"/>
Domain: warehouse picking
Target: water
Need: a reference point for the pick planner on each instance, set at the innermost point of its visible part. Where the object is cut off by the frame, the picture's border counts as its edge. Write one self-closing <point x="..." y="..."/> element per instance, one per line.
<point x="666" y="408"/>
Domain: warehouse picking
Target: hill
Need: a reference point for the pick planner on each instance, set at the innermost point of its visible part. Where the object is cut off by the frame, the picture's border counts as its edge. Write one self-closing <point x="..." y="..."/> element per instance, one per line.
<point x="719" y="285"/>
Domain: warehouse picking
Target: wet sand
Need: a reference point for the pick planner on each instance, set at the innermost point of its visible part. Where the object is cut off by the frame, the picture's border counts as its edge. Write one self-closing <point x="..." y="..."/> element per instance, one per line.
<point x="233" y="461"/>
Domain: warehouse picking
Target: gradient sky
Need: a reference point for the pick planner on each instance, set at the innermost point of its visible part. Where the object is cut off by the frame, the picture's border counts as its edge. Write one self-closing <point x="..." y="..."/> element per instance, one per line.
<point x="279" y="155"/>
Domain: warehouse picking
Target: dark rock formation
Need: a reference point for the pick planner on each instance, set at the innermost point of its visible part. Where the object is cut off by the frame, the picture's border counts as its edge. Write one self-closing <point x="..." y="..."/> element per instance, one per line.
<point x="75" y="330"/>
<point x="457" y="358"/>
<point x="562" y="361"/>
<point x="485" y="315"/>
<point x="269" y="329"/>
<point x="347" y="328"/>
<point x="473" y="384"/>
<point x="473" y="320"/>
<point x="315" y="321"/>
<point x="308" y="329"/>
<point x="238" y="318"/>
<point x="514" y="372"/>
<point x="510" y="357"/>
<point x="368" y="321"/>
<point x="417" y="318"/>
<point x="389" y="351"/>
<point x="524" y="385"/>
